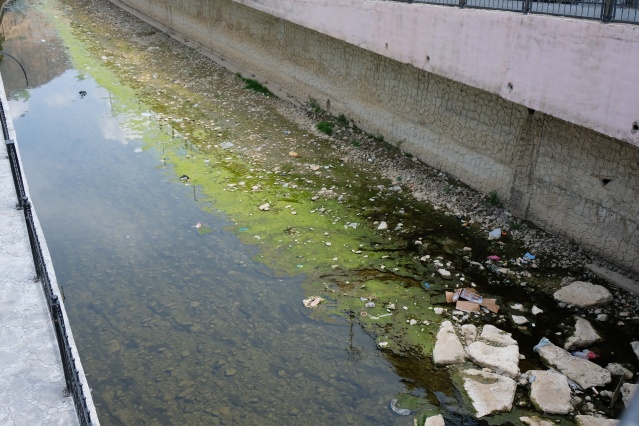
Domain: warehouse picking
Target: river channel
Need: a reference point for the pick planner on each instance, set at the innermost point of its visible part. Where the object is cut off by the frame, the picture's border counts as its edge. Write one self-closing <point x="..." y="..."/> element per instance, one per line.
<point x="188" y="217"/>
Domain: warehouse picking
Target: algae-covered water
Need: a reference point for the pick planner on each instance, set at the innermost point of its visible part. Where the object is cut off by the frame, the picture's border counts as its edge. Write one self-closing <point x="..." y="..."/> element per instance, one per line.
<point x="188" y="217"/>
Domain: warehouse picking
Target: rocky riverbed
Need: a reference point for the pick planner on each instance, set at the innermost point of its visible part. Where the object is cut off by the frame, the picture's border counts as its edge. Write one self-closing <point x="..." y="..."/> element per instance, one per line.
<point x="380" y="238"/>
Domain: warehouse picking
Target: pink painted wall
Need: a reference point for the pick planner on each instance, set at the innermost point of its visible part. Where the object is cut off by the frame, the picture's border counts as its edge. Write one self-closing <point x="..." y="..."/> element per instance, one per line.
<point x="584" y="72"/>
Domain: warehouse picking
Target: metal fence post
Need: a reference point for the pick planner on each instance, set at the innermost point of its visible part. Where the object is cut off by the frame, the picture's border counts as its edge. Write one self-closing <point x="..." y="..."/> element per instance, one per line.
<point x="608" y="10"/>
<point x="56" y="313"/>
<point x="462" y="3"/>
<point x="525" y="6"/>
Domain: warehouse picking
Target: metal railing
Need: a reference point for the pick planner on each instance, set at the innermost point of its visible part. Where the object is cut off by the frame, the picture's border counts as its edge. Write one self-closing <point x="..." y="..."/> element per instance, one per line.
<point x="71" y="373"/>
<point x="603" y="10"/>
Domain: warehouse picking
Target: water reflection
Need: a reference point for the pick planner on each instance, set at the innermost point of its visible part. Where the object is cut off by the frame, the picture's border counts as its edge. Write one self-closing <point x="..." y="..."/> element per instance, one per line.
<point x="174" y="326"/>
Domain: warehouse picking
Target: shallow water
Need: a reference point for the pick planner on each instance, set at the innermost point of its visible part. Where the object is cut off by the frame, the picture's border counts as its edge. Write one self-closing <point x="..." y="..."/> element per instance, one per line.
<point x="174" y="326"/>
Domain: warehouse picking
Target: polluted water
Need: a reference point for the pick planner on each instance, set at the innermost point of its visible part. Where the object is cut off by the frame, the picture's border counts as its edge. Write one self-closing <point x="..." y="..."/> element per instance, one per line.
<point x="190" y="218"/>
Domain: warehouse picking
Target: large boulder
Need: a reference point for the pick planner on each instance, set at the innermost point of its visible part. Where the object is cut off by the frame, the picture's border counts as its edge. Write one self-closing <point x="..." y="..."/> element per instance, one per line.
<point x="550" y="392"/>
<point x="585" y="373"/>
<point x="583" y="295"/>
<point x="584" y="335"/>
<point x="448" y="349"/>
<point x="489" y="392"/>
<point x="490" y="333"/>
<point x="504" y="358"/>
<point x="595" y="421"/>
<point x="437" y="420"/>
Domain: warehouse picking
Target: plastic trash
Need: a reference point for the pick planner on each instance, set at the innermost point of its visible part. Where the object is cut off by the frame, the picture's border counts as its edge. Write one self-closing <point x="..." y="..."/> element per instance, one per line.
<point x="400" y="411"/>
<point x="495" y="234"/>
<point x="426" y="285"/>
<point x="494" y="257"/>
<point x="586" y="354"/>
<point x="184" y="178"/>
<point x="528" y="256"/>
<point x="198" y="225"/>
<point x="370" y="304"/>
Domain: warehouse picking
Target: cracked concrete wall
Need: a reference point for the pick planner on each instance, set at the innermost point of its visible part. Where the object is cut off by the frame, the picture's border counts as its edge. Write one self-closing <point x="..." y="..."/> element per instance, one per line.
<point x="568" y="179"/>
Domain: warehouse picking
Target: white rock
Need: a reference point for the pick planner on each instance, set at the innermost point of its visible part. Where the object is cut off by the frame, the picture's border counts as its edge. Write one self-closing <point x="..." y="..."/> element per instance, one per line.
<point x="437" y="420"/>
<point x="489" y="393"/>
<point x="583" y="336"/>
<point x="496" y="358"/>
<point x="265" y="207"/>
<point x="635" y="348"/>
<point x="619" y="370"/>
<point x="517" y="307"/>
<point x="628" y="390"/>
<point x="550" y="392"/>
<point x="535" y="421"/>
<point x="438" y="310"/>
<point x="602" y="317"/>
<point x="444" y="273"/>
<point x="469" y="333"/>
<point x="519" y="320"/>
<point x="583" y="295"/>
<point x="585" y="373"/>
<point x="490" y="333"/>
<point x="382" y="226"/>
<point x="595" y="421"/>
<point x="536" y="311"/>
<point x="448" y="349"/>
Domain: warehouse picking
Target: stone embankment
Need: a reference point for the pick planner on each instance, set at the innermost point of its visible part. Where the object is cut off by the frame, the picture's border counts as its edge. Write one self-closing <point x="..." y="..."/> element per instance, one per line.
<point x="572" y="384"/>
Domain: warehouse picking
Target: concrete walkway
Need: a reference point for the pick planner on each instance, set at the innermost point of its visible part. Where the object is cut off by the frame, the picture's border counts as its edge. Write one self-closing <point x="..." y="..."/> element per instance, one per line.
<point x="32" y="382"/>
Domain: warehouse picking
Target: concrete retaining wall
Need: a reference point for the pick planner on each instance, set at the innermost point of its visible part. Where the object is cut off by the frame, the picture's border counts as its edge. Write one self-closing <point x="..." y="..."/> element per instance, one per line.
<point x="568" y="179"/>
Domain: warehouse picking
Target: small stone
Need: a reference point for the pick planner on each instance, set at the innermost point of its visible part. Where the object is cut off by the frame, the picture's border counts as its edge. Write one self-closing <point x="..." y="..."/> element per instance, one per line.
<point x="535" y="421"/>
<point x="265" y="207"/>
<point x="382" y="226"/>
<point x="438" y="310"/>
<point x="412" y="322"/>
<point x="519" y="320"/>
<point x="293" y="154"/>
<point x="444" y="273"/>
<point x="469" y="333"/>
<point x="602" y="317"/>
<point x="536" y="311"/>
<point x="437" y="420"/>
<point x="230" y="372"/>
<point x="628" y="390"/>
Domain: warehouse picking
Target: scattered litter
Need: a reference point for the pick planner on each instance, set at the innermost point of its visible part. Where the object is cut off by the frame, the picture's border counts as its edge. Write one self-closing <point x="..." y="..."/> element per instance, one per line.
<point x="312" y="302"/>
<point x="137" y="150"/>
<point x="370" y="304"/>
<point x="400" y="411"/>
<point x="363" y="299"/>
<point x="585" y="354"/>
<point x="351" y="225"/>
<point x="528" y="256"/>
<point x="426" y="285"/>
<point x="494" y="258"/>
<point x="472" y="300"/>
<point x="495" y="234"/>
<point x="382" y="344"/>
<point x="243" y="229"/>
<point x="198" y="225"/>
<point x="184" y="178"/>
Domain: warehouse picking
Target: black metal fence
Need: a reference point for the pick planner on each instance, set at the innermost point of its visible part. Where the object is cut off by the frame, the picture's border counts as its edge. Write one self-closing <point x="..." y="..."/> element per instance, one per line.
<point x="71" y="373"/>
<point x="603" y="10"/>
